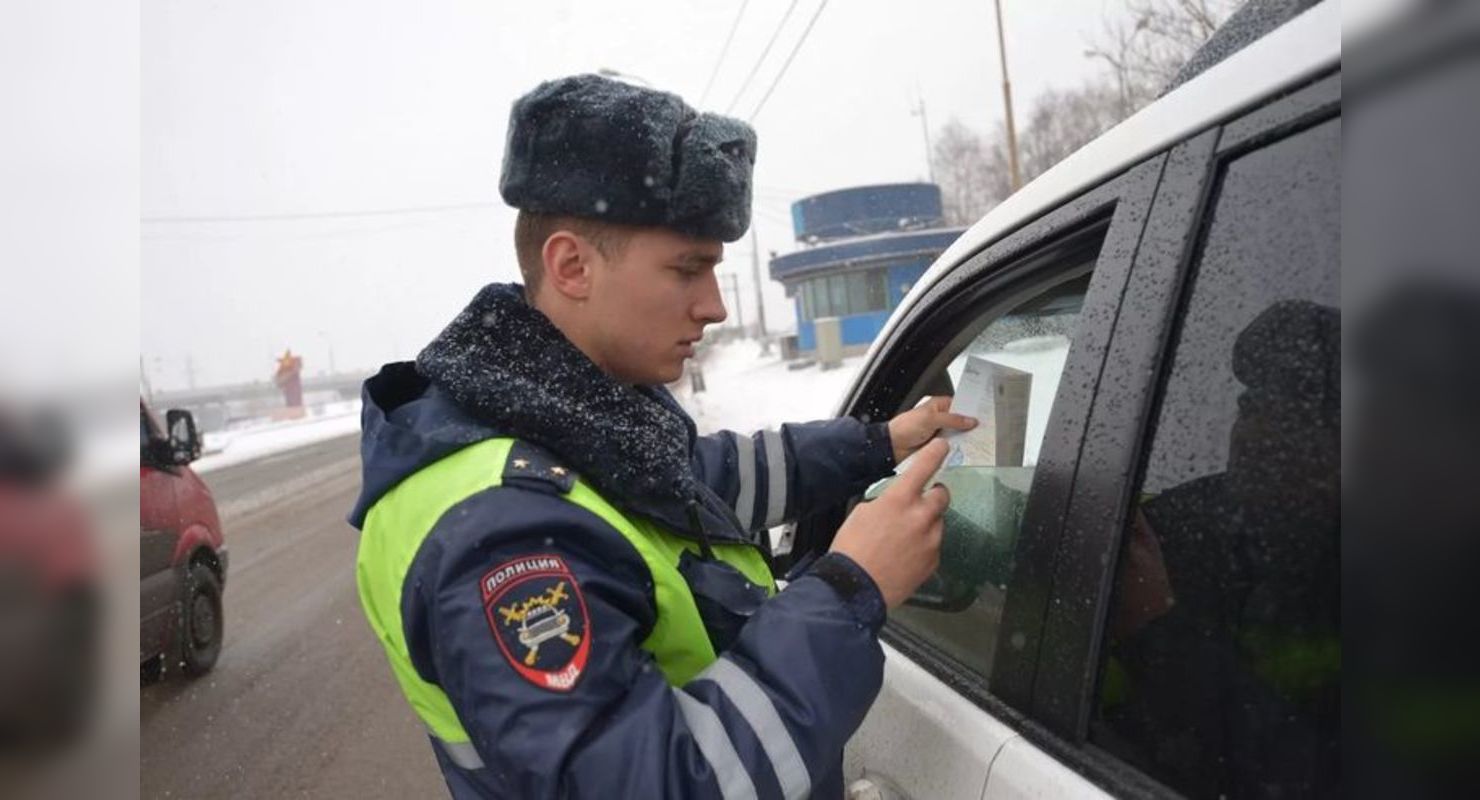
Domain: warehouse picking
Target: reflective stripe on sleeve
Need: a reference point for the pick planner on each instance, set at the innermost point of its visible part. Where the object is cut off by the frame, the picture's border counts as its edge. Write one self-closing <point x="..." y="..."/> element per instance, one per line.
<point x="758" y="710"/>
<point x="461" y="753"/>
<point x="714" y="743"/>
<point x="745" y="501"/>
<point x="776" y="483"/>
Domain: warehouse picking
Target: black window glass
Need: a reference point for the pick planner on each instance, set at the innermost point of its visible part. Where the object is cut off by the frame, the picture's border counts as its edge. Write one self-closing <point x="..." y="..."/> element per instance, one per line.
<point x="148" y="431"/>
<point x="1221" y="672"/>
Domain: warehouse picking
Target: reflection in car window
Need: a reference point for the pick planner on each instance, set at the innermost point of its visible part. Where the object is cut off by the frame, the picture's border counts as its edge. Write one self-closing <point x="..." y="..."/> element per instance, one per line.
<point x="959" y="608"/>
<point x="1221" y="674"/>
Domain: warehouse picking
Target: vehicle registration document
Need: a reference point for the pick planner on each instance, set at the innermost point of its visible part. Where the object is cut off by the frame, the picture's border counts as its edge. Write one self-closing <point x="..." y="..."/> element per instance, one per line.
<point x="997" y="396"/>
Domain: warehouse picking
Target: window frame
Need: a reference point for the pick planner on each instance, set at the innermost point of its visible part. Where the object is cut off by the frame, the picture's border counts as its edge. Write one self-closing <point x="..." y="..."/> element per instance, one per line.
<point x="1041" y="253"/>
<point x="1118" y="436"/>
<point x="1046" y="691"/>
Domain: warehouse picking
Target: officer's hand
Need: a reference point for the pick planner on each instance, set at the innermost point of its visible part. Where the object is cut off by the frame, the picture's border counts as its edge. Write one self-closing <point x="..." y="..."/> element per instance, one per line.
<point x="896" y="537"/>
<point x="913" y="428"/>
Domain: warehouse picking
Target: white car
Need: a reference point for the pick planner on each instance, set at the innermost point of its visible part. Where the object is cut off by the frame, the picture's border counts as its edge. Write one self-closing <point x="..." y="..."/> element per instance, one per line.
<point x="1143" y="596"/>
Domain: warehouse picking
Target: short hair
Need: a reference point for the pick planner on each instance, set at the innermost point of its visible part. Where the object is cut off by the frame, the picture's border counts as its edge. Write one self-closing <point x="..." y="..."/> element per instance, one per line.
<point x="532" y="230"/>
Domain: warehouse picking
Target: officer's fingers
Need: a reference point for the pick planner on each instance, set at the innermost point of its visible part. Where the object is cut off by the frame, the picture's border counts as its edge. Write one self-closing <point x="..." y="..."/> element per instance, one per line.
<point x="958" y="422"/>
<point x="937" y="500"/>
<point x="936" y="538"/>
<point x="936" y="535"/>
<point x="927" y="460"/>
<point x="940" y="403"/>
<point x="930" y="543"/>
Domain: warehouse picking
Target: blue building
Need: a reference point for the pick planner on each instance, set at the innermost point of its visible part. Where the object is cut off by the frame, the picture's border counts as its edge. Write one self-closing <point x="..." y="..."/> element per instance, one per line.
<point x="863" y="248"/>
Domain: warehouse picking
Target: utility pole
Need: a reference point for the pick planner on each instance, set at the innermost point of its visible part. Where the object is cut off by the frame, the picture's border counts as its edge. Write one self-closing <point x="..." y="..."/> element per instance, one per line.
<point x="1012" y="149"/>
<point x="755" y="274"/>
<point x="190" y="370"/>
<point x="919" y="111"/>
<point x="735" y="293"/>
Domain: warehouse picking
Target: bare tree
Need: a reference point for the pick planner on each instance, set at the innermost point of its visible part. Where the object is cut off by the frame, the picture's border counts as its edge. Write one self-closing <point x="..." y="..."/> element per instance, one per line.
<point x="971" y="173"/>
<point x="972" y="169"/>
<point x="1144" y="52"/>
<point x="1145" y="48"/>
<point x="1064" y="121"/>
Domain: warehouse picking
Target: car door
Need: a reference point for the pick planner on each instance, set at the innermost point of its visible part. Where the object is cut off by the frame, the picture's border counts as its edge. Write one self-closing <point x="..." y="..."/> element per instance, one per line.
<point x="1191" y="644"/>
<point x="1038" y="305"/>
<point x="159" y="531"/>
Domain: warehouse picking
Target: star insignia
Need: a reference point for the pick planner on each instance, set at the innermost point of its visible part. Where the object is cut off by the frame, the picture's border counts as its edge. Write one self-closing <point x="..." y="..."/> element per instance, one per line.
<point x="520" y="463"/>
<point x="558" y="472"/>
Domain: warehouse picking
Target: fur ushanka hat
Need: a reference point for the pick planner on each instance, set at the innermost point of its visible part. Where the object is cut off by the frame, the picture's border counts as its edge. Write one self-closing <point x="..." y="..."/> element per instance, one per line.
<point x="601" y="149"/>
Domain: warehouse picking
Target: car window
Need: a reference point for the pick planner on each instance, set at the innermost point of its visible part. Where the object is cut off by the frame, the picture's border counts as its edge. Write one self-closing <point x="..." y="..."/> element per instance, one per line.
<point x="147" y="432"/>
<point x="1221" y="671"/>
<point x="1018" y="358"/>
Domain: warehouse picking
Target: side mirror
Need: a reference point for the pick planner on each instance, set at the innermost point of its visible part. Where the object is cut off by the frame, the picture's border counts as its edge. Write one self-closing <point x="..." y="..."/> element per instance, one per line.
<point x="184" y="439"/>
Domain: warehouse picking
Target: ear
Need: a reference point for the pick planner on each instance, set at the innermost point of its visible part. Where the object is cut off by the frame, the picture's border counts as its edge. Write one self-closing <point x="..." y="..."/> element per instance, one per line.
<point x="568" y="265"/>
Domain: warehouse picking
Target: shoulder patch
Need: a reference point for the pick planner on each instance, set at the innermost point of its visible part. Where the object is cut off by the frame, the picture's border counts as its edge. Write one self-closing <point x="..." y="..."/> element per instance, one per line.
<point x="539" y="619"/>
<point x="530" y="467"/>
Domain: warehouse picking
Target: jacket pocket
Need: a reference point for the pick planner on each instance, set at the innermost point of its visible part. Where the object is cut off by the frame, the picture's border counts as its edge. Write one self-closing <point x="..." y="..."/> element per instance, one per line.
<point x="726" y="599"/>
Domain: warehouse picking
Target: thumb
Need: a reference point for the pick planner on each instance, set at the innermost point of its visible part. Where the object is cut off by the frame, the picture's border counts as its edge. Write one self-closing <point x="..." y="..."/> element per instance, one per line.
<point x="929" y="459"/>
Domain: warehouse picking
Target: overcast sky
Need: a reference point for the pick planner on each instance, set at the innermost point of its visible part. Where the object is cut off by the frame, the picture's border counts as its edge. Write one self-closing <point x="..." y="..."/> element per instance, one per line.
<point x="254" y="108"/>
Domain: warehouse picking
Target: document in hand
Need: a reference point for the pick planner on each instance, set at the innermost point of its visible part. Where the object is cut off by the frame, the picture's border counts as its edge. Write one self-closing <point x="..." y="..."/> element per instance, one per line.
<point x="997" y="396"/>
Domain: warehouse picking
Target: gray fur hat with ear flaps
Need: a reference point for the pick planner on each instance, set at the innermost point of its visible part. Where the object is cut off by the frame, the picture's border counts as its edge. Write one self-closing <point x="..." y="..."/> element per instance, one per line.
<point x="601" y="149"/>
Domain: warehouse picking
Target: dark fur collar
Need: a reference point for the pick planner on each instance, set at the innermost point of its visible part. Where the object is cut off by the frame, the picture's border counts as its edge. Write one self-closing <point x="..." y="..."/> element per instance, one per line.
<point x="505" y="362"/>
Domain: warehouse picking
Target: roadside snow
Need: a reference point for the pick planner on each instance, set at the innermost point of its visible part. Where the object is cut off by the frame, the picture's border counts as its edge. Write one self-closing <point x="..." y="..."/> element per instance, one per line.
<point x="745" y="391"/>
<point x="225" y="448"/>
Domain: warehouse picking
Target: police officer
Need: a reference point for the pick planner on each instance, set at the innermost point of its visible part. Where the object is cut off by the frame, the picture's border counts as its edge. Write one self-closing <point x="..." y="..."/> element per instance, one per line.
<point x="569" y="583"/>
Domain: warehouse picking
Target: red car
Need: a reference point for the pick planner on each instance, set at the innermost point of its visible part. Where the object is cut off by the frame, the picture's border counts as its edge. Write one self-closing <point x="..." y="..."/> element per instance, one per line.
<point x="182" y="555"/>
<point x="49" y="571"/>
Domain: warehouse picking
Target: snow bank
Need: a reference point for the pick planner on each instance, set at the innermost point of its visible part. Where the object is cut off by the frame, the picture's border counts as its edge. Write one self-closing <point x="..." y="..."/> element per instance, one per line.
<point x="746" y="391"/>
<point x="238" y="445"/>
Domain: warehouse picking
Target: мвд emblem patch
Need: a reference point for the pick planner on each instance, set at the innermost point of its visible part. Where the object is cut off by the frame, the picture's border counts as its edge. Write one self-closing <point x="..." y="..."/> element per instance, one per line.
<point x="539" y="619"/>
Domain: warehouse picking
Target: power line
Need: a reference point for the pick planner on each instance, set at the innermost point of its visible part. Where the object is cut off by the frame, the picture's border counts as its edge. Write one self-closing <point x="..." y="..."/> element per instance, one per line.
<point x="374" y="212"/>
<point x="789" y="57"/>
<point x="753" y="70"/>
<point x="722" y="52"/>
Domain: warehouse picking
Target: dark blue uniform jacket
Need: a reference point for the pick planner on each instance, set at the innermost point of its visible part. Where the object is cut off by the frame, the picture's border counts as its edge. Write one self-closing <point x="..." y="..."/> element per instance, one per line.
<point x="796" y="672"/>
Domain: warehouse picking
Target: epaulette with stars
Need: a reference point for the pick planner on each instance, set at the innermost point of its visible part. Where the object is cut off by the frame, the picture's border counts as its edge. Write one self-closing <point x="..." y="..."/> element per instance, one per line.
<point x="529" y="467"/>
